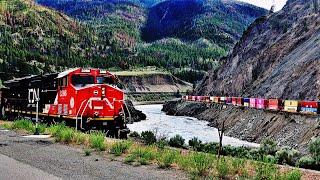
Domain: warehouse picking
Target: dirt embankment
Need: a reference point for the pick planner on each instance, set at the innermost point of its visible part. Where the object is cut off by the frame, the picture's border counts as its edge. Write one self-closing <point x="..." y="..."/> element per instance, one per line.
<point x="153" y="82"/>
<point x="252" y="125"/>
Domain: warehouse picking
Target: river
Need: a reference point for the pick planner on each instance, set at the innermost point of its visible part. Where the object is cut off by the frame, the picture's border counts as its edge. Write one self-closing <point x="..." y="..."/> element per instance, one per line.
<point x="188" y="127"/>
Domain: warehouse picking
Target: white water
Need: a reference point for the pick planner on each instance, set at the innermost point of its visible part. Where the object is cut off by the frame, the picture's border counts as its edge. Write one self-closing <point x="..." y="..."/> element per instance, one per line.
<point x="187" y="127"/>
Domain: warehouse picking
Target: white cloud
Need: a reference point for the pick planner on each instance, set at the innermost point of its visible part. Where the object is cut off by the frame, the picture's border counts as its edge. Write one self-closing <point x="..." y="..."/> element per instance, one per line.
<point x="267" y="3"/>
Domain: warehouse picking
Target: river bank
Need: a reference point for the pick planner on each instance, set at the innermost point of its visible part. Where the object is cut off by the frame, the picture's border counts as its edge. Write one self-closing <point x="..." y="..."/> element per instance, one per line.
<point x="252" y="125"/>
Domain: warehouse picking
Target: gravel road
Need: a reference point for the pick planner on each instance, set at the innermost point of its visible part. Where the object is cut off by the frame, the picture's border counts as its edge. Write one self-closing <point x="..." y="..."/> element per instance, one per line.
<point x="31" y="158"/>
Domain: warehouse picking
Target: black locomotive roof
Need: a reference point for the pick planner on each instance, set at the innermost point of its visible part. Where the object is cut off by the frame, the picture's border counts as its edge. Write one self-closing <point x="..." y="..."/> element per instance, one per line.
<point x="31" y="81"/>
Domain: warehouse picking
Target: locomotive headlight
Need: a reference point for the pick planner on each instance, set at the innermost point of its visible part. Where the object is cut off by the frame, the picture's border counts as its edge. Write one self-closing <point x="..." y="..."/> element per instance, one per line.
<point x="103" y="91"/>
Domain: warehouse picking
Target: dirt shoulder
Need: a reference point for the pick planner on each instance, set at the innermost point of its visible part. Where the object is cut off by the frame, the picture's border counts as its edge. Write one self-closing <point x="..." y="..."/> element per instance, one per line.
<point x="70" y="162"/>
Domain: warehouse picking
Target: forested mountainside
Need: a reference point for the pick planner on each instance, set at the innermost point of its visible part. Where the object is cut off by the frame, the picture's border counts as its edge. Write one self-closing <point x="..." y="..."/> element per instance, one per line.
<point x="34" y="39"/>
<point x="278" y="56"/>
<point x="108" y="34"/>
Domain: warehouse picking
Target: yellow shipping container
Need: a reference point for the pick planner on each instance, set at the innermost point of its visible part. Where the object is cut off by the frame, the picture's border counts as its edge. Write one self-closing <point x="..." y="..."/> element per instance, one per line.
<point x="291" y="108"/>
<point x="211" y="99"/>
<point x="246" y="104"/>
<point x="291" y="103"/>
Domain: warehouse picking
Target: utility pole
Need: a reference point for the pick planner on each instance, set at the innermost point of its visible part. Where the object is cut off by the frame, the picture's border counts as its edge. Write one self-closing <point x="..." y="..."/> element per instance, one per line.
<point x="37" y="99"/>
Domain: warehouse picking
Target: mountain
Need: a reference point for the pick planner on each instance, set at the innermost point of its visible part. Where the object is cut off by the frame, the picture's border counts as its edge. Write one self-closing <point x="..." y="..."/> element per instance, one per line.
<point x="34" y="40"/>
<point x="220" y="22"/>
<point x="277" y="56"/>
<point x="50" y="35"/>
<point x="188" y="42"/>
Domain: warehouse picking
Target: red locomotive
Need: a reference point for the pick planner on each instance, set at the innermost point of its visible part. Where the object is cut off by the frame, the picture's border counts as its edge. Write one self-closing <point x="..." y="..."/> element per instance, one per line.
<point x="85" y="98"/>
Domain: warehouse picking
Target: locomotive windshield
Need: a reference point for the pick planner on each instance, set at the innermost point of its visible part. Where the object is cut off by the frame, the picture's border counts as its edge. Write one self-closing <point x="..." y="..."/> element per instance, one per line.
<point x="105" y="80"/>
<point x="81" y="81"/>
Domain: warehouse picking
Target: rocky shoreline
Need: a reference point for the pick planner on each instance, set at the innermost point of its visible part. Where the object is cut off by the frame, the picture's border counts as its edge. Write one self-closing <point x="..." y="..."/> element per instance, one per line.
<point x="252" y="125"/>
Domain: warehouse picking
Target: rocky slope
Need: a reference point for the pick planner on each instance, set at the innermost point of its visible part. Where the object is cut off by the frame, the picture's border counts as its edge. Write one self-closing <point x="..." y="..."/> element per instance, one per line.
<point x="277" y="56"/>
<point x="252" y="125"/>
<point x="152" y="82"/>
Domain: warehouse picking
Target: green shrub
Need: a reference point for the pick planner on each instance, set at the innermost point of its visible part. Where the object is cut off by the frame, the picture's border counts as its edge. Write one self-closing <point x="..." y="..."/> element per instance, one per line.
<point x="241" y="152"/>
<point x="129" y="159"/>
<point x="292" y="175"/>
<point x="286" y="155"/>
<point x="148" y="137"/>
<point x="134" y="134"/>
<point x="143" y="154"/>
<point x="23" y="124"/>
<point x="306" y="162"/>
<point x="268" y="146"/>
<point x="197" y="163"/>
<point x="97" y="141"/>
<point x="269" y="159"/>
<point x="176" y="141"/>
<point x="266" y="171"/>
<point x="314" y="149"/>
<point x="162" y="143"/>
<point x="67" y="135"/>
<point x="120" y="147"/>
<point x="196" y="144"/>
<point x="79" y="138"/>
<point x="255" y="154"/>
<point x="166" y="158"/>
<point x="222" y="168"/>
<point x="210" y="148"/>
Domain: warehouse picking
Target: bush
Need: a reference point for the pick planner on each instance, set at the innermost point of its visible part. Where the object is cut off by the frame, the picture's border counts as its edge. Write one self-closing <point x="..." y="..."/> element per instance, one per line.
<point x="79" y="138"/>
<point x="268" y="146"/>
<point x="165" y="159"/>
<point x="162" y="143"/>
<point x="176" y="141"/>
<point x="66" y="135"/>
<point x="269" y="159"/>
<point x="143" y="154"/>
<point x="134" y="134"/>
<point x="254" y="154"/>
<point x="148" y="137"/>
<point x="292" y="175"/>
<point x="24" y="124"/>
<point x="286" y="155"/>
<point x="197" y="164"/>
<point x="210" y="148"/>
<point x="196" y="144"/>
<point x="120" y="147"/>
<point x="306" y="162"/>
<point x="222" y="168"/>
<point x="314" y="149"/>
<point x="97" y="141"/>
<point x="266" y="171"/>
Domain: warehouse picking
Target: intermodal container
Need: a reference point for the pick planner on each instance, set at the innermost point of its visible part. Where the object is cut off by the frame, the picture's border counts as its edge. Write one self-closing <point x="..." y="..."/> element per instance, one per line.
<point x="206" y="99"/>
<point x="246" y="102"/>
<point x="229" y="100"/>
<point x="309" y="107"/>
<point x="190" y="98"/>
<point x="261" y="103"/>
<point x="253" y="102"/>
<point x="239" y="101"/>
<point x="211" y="99"/>
<point x="275" y="104"/>
<point x="216" y="99"/>
<point x="194" y="98"/>
<point x="291" y="106"/>
<point x="223" y="100"/>
<point x="234" y="101"/>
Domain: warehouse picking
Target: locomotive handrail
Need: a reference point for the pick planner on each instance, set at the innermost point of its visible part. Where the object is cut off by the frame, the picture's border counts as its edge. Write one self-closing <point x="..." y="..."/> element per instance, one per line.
<point x="78" y="113"/>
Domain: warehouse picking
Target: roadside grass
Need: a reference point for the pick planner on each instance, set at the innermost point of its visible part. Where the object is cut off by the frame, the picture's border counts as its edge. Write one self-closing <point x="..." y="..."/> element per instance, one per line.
<point x="199" y="165"/>
<point x="120" y="147"/>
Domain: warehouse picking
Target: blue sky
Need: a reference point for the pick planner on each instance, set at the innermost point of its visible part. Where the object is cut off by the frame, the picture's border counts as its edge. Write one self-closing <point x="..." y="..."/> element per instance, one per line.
<point x="267" y="3"/>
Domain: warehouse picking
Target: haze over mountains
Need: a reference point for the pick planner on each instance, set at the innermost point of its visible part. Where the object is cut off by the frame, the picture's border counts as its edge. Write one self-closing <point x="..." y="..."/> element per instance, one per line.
<point x="278" y="56"/>
<point x="116" y="34"/>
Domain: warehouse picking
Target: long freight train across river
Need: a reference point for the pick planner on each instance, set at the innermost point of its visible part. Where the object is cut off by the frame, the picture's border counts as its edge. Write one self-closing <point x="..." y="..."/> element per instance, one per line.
<point x="292" y="106"/>
<point x="85" y="98"/>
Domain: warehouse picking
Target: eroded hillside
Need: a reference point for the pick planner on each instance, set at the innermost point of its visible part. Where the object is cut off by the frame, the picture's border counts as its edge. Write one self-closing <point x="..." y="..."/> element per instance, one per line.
<point x="278" y="56"/>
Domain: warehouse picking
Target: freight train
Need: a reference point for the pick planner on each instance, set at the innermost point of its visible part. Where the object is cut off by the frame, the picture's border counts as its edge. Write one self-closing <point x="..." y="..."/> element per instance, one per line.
<point x="292" y="106"/>
<point x="87" y="99"/>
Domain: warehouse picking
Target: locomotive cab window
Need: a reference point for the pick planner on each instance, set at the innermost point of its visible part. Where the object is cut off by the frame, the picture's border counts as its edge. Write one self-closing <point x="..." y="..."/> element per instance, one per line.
<point x="62" y="82"/>
<point x="105" y="80"/>
<point x="81" y="81"/>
